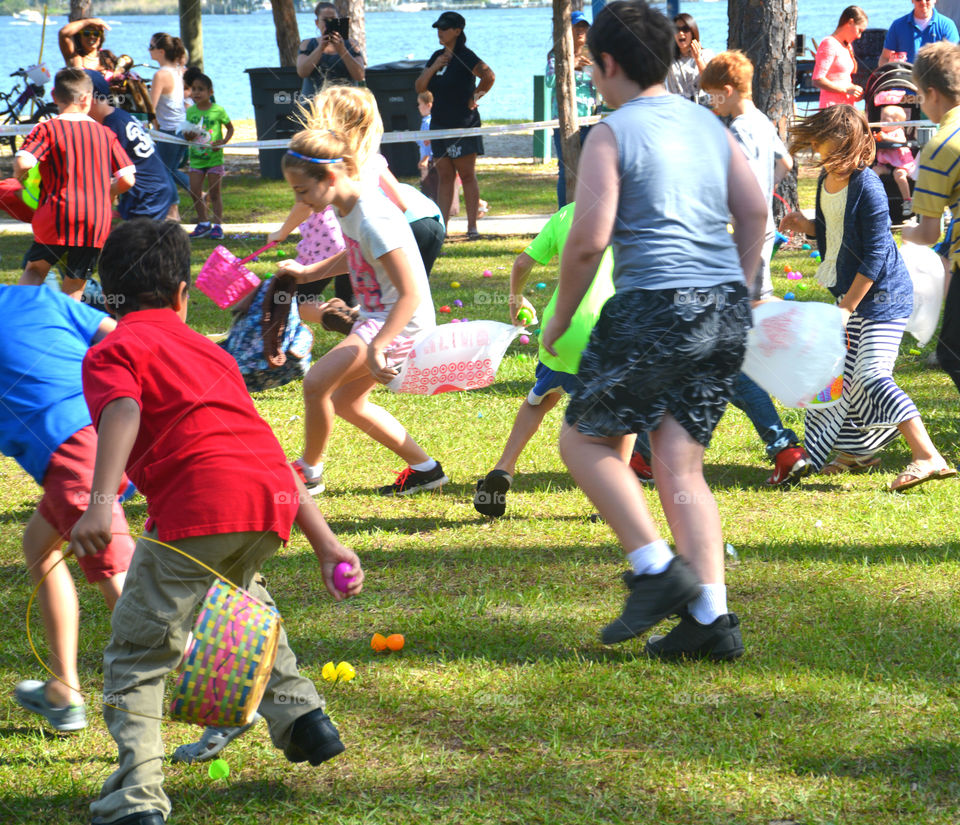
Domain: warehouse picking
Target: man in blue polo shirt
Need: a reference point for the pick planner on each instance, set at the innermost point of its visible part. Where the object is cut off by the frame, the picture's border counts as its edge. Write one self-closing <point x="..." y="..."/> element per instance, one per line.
<point x="908" y="33"/>
<point x="154" y="192"/>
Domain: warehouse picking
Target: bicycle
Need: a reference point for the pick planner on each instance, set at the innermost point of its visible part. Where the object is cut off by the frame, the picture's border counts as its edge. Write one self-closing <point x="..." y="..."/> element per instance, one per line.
<point x="16" y="101"/>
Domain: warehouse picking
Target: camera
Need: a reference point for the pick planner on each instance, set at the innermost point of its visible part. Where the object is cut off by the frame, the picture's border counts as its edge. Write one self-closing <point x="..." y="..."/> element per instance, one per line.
<point x="341" y="25"/>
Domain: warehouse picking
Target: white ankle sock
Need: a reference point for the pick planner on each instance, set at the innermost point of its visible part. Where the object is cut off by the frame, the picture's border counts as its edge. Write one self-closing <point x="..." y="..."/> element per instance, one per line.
<point x="429" y="464"/>
<point x="710" y="605"/>
<point x="652" y="558"/>
<point x="311" y="471"/>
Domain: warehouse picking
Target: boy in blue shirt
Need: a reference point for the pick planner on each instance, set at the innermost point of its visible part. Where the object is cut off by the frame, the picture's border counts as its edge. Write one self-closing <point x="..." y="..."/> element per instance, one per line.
<point x="45" y="427"/>
<point x="669" y="344"/>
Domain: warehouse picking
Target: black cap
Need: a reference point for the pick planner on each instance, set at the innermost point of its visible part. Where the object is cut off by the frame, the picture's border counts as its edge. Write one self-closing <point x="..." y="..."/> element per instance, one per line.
<point x="450" y="20"/>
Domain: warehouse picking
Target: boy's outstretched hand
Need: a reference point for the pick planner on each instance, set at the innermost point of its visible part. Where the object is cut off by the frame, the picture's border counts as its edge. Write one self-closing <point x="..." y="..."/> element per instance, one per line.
<point x="329" y="559"/>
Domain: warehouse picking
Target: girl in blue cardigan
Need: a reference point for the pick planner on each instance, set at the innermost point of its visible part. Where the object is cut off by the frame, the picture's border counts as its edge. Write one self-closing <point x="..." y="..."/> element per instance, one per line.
<point x="862" y="268"/>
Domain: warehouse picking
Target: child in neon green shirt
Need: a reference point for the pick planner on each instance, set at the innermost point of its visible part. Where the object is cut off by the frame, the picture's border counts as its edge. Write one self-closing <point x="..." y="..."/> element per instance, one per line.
<point x="555" y="374"/>
<point x="212" y="124"/>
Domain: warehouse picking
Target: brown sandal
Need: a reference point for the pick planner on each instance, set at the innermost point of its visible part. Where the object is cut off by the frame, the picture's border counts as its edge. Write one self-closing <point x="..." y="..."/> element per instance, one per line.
<point x="914" y="475"/>
<point x="847" y="463"/>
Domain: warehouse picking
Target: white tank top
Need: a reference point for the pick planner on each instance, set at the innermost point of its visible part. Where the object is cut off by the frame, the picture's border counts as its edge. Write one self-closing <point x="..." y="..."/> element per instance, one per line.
<point x="170" y="108"/>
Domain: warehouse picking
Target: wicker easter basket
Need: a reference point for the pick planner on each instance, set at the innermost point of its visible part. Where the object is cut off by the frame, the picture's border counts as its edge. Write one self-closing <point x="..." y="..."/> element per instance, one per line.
<point x="224" y="278"/>
<point x="228" y="662"/>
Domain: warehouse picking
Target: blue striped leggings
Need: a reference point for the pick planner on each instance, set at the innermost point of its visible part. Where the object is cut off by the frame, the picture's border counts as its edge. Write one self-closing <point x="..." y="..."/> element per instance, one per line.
<point x="872" y="405"/>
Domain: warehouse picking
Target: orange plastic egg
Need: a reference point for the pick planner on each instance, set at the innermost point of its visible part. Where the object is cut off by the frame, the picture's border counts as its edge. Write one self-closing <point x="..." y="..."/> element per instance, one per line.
<point x="378" y="642"/>
<point x="395" y="641"/>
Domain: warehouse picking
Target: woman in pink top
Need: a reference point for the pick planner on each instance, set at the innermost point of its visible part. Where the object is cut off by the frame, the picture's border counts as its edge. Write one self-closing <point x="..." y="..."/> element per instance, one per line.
<point x="835" y="64"/>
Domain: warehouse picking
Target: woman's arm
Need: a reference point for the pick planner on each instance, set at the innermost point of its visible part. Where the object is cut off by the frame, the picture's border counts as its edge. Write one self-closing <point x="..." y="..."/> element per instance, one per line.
<point x="306" y="63"/>
<point x="485" y="73"/>
<point x="397" y="266"/>
<point x="161" y="84"/>
<point x="354" y="63"/>
<point x="298" y="214"/>
<point x="427" y="74"/>
<point x="65" y="38"/>
<point x="589" y="236"/>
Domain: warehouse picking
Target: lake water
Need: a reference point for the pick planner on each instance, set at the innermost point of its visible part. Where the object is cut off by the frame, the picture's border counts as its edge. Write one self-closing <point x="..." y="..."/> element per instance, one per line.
<point x="514" y="42"/>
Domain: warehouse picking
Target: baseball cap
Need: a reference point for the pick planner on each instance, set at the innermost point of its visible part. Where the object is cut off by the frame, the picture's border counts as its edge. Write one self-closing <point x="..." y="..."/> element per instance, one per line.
<point x="100" y="86"/>
<point x="450" y="20"/>
<point x="578" y="17"/>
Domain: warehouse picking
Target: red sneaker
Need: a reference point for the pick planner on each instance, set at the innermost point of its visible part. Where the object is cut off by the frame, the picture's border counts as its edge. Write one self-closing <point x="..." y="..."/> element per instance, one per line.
<point x="639" y="466"/>
<point x="790" y="465"/>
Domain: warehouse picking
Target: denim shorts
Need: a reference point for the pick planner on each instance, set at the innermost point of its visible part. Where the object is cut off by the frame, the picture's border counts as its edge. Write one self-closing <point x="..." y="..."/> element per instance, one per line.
<point x="655" y="352"/>
<point x="548" y="381"/>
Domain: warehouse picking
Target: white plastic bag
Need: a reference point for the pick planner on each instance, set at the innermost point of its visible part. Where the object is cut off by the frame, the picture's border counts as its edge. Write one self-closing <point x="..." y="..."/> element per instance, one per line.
<point x="454" y="357"/>
<point x="795" y="350"/>
<point x="926" y="272"/>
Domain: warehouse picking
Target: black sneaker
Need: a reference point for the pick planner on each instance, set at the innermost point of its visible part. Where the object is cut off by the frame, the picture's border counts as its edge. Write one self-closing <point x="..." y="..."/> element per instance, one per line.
<point x="314" y="739"/>
<point x="491" y="496"/>
<point x="651" y="599"/>
<point x="719" y="641"/>
<point x="411" y="481"/>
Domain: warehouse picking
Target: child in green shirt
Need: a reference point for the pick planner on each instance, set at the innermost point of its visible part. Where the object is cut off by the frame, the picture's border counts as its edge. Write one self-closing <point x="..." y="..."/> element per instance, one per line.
<point x="213" y="130"/>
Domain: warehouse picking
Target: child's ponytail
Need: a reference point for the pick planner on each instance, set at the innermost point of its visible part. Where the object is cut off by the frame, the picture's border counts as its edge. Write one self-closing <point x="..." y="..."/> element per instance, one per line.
<point x="351" y="112"/>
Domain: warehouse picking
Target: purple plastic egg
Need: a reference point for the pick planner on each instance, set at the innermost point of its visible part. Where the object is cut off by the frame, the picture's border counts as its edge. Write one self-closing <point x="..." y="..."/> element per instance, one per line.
<point x="457" y="302"/>
<point x="341" y="577"/>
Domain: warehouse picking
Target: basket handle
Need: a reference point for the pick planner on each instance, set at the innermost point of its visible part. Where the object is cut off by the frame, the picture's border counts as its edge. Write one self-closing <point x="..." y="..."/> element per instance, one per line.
<point x="261" y="249"/>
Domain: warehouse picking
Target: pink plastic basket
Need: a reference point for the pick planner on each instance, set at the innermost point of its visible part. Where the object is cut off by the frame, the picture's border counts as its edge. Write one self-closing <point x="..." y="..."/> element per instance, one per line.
<point x="224" y="278"/>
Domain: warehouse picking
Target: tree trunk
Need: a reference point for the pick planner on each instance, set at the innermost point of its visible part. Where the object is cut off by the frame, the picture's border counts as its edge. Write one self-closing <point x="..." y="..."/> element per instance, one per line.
<point x="191" y="32"/>
<point x="288" y="32"/>
<point x="767" y="32"/>
<point x="354" y="9"/>
<point x="566" y="93"/>
<point x="79" y="9"/>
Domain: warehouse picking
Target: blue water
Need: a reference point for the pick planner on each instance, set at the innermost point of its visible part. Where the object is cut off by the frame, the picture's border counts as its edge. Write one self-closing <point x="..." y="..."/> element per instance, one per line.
<point x="514" y="42"/>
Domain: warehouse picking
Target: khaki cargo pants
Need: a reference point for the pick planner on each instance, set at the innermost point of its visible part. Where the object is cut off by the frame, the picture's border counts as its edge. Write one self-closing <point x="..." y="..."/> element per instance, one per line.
<point x="150" y="623"/>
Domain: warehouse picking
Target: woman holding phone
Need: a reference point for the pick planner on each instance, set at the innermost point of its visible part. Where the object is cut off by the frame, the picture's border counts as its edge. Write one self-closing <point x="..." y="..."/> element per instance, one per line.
<point x="330" y="59"/>
<point x="451" y="75"/>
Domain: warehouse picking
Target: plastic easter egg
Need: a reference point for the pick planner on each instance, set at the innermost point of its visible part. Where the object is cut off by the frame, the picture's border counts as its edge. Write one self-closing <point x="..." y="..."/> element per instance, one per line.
<point x="454" y="320"/>
<point x="487" y="273"/>
<point x="524" y="339"/>
<point x="219" y="769"/>
<point x="329" y="672"/>
<point x="341" y="576"/>
<point x="525" y="316"/>
<point x="458" y="303"/>
<point x="395" y="641"/>
<point x="541" y="285"/>
<point x="378" y="642"/>
<point x="789" y="296"/>
<point x="444" y="308"/>
<point x="805" y="247"/>
<point x="345" y="672"/>
<point x="455" y="285"/>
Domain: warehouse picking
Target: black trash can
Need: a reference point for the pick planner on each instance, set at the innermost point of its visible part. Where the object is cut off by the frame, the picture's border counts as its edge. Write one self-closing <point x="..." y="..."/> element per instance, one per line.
<point x="392" y="86"/>
<point x="275" y="92"/>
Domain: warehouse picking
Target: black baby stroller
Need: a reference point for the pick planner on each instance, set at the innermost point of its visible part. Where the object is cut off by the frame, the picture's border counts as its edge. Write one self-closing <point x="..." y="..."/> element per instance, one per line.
<point x="892" y="85"/>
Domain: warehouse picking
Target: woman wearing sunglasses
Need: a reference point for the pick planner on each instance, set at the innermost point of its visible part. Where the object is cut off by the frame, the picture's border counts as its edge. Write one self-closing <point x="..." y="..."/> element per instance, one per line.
<point x="689" y="60"/>
<point x="81" y="41"/>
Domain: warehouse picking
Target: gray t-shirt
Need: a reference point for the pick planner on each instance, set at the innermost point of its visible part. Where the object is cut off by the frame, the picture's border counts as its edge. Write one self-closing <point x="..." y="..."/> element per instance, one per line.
<point x="671" y="224"/>
<point x="763" y="147"/>
<point x="371" y="229"/>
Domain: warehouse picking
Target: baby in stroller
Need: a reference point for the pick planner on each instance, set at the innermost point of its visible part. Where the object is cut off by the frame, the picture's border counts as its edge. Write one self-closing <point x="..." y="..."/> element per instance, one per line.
<point x="894" y="155"/>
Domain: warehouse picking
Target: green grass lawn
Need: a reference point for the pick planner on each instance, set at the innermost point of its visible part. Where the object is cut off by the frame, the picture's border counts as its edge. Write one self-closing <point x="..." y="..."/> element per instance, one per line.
<point x="503" y="707"/>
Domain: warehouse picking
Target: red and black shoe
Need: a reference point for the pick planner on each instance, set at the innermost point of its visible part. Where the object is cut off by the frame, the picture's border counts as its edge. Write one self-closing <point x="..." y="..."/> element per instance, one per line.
<point x="789" y="466"/>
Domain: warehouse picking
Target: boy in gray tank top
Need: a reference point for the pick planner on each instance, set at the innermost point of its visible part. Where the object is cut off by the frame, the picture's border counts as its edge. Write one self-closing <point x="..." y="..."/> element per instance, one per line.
<point x="658" y="180"/>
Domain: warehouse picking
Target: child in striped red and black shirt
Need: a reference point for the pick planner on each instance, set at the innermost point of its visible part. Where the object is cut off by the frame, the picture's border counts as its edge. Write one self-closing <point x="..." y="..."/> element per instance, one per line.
<point x="82" y="167"/>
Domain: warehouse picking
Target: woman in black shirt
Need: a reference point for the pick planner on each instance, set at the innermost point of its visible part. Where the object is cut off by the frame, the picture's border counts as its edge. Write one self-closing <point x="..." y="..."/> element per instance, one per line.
<point x="451" y="75"/>
<point x="330" y="59"/>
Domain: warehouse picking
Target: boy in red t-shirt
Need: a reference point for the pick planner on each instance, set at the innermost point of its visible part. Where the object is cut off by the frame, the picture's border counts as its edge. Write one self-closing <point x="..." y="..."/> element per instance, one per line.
<point x="82" y="166"/>
<point x="172" y="408"/>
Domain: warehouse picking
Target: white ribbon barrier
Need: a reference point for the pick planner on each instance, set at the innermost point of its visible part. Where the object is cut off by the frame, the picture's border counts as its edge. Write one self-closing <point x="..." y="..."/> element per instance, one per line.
<point x="251" y="146"/>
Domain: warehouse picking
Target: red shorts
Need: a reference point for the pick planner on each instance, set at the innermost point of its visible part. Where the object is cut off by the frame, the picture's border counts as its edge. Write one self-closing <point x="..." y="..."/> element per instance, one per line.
<point x="66" y="492"/>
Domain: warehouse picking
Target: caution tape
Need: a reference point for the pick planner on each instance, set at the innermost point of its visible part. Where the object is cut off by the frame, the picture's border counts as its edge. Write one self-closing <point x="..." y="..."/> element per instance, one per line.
<point x="251" y="146"/>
